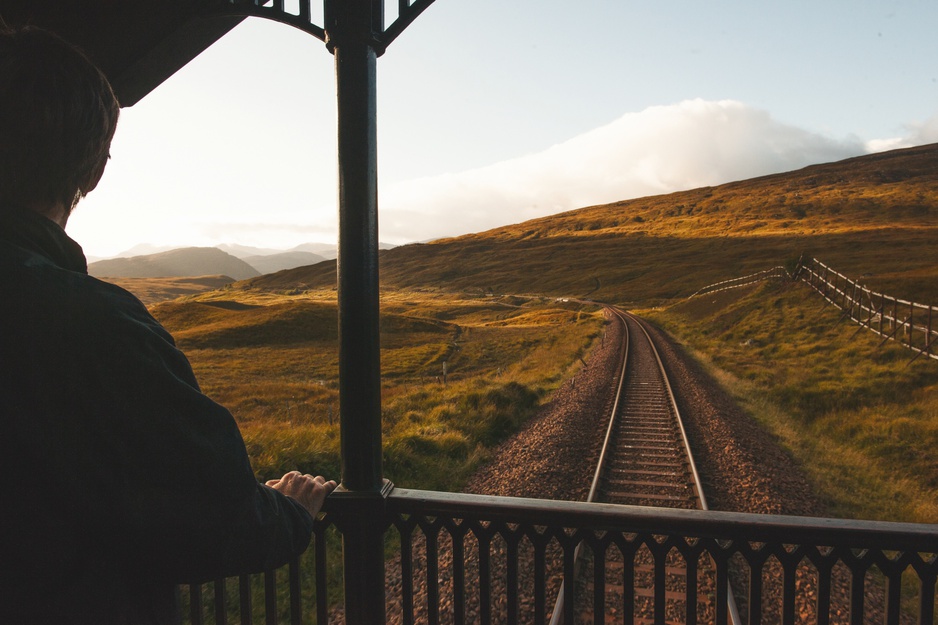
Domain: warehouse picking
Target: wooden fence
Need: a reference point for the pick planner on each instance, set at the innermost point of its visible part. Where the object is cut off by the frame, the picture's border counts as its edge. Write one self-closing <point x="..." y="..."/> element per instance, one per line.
<point x="735" y="283"/>
<point x="911" y="324"/>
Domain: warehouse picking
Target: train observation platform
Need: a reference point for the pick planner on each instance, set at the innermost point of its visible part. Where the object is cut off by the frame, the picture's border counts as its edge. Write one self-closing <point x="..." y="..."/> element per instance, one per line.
<point x="471" y="558"/>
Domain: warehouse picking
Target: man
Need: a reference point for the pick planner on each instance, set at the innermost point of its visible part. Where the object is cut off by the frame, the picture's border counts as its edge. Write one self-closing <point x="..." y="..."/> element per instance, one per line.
<point x="118" y="478"/>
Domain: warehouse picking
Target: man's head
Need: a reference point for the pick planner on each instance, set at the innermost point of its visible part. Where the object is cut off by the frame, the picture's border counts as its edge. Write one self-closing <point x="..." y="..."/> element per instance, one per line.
<point x="57" y="118"/>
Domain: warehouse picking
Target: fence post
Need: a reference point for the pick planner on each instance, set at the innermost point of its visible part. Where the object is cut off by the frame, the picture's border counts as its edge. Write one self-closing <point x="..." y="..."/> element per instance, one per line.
<point x="928" y="339"/>
<point x="869" y="298"/>
<point x="895" y="315"/>
<point x="854" y="303"/>
<point x="911" y="321"/>
<point x="882" y="312"/>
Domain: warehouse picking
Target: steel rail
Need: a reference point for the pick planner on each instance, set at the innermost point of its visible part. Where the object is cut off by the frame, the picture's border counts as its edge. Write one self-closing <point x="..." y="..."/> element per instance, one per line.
<point x="608" y="451"/>
<point x="698" y="487"/>
<point x="557" y="614"/>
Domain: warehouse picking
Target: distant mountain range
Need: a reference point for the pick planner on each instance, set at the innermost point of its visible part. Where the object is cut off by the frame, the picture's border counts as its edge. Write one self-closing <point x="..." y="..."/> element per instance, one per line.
<point x="189" y="261"/>
<point x="237" y="261"/>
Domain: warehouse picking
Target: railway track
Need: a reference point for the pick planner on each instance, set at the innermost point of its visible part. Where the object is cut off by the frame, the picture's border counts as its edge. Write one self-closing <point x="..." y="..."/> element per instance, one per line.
<point x="646" y="460"/>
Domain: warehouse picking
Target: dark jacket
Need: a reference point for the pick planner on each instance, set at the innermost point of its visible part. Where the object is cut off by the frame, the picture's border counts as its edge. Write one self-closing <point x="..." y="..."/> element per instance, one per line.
<point x="118" y="477"/>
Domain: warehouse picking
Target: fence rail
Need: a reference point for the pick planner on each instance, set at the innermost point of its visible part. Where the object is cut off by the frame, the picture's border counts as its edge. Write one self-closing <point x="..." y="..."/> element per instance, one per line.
<point x="735" y="283"/>
<point x="911" y="324"/>
<point x="908" y="323"/>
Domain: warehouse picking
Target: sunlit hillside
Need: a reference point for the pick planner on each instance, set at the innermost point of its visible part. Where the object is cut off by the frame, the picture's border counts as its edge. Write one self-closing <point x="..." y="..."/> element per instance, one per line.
<point x="459" y="373"/>
<point x="493" y="307"/>
<point x="875" y="216"/>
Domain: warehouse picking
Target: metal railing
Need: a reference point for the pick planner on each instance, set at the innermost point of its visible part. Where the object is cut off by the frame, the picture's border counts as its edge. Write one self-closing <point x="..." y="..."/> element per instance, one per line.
<point x="480" y="559"/>
<point x="908" y="323"/>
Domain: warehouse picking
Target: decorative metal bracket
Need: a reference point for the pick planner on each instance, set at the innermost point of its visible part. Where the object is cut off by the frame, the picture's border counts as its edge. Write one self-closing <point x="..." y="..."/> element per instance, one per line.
<point x="380" y="38"/>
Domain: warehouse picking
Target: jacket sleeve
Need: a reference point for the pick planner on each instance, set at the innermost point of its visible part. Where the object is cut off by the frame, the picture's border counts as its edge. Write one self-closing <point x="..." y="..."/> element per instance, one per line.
<point x="174" y="489"/>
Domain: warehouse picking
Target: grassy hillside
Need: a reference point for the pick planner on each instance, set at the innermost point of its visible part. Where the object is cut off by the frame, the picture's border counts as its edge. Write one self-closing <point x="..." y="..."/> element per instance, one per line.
<point x="182" y="262"/>
<point x="272" y="360"/>
<point x="155" y="290"/>
<point x="874" y="215"/>
<point x="859" y="416"/>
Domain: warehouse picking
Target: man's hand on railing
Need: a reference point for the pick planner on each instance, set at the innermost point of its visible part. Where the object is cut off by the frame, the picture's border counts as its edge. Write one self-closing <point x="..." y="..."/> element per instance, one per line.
<point x="309" y="491"/>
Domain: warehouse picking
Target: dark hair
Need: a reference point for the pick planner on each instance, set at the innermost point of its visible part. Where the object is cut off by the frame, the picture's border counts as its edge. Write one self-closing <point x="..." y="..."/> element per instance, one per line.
<point x="57" y="118"/>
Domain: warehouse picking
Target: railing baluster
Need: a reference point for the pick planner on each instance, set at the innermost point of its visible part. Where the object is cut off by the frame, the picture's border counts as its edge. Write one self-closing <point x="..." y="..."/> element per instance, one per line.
<point x="511" y="582"/>
<point x="221" y="612"/>
<point x="244" y="600"/>
<point x="195" y="604"/>
<point x="459" y="577"/>
<point x="407" y="573"/>
<point x="824" y="572"/>
<point x="690" y="598"/>
<point x="859" y="546"/>
<point x="322" y="594"/>
<point x="433" y="573"/>
<point x="270" y="597"/>
<point x="660" y="583"/>
<point x="857" y="593"/>
<point x="599" y="583"/>
<point x="926" y="607"/>
<point x="722" y="587"/>
<point x="485" y="578"/>
<point x="893" y="596"/>
<point x="628" y="584"/>
<point x="755" y="590"/>
<point x="296" y="609"/>
<point x="540" y="578"/>
<point x="789" y="566"/>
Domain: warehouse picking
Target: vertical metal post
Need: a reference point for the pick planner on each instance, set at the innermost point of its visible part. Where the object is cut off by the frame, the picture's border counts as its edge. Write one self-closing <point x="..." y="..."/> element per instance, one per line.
<point x="350" y="29"/>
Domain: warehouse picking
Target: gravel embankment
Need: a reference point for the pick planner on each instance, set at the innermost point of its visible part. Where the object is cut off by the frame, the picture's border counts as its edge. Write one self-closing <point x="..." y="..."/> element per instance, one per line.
<point x="741" y="465"/>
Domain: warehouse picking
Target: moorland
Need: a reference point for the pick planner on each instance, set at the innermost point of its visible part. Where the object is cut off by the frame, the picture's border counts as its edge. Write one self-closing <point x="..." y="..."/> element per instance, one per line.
<point x="497" y="307"/>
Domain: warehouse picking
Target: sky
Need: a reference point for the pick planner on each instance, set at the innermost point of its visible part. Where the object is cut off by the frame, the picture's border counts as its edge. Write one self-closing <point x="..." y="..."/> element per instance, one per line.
<point x="491" y="112"/>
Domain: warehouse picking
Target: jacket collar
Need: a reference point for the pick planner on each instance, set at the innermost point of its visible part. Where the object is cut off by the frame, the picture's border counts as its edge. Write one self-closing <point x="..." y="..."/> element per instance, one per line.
<point x="31" y="231"/>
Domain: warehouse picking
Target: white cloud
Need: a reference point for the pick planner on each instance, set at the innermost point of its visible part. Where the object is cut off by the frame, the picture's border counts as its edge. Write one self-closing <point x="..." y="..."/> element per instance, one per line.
<point x="919" y="133"/>
<point x="658" y="150"/>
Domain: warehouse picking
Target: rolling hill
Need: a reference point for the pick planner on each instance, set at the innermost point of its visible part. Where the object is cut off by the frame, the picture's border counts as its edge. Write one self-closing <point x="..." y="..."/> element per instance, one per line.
<point x="189" y="261"/>
<point x="270" y="263"/>
<point x="874" y="215"/>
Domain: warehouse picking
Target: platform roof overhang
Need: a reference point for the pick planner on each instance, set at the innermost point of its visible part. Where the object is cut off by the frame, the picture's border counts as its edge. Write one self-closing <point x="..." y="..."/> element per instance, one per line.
<point x="137" y="43"/>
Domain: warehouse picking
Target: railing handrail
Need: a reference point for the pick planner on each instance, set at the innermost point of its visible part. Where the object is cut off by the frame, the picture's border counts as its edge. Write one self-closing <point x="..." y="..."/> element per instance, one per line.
<point x="844" y="533"/>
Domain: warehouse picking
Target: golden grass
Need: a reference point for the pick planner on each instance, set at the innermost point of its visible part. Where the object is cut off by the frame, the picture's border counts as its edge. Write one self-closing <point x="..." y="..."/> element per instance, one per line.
<point x="272" y="360"/>
<point x="154" y="290"/>
<point x="859" y="418"/>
